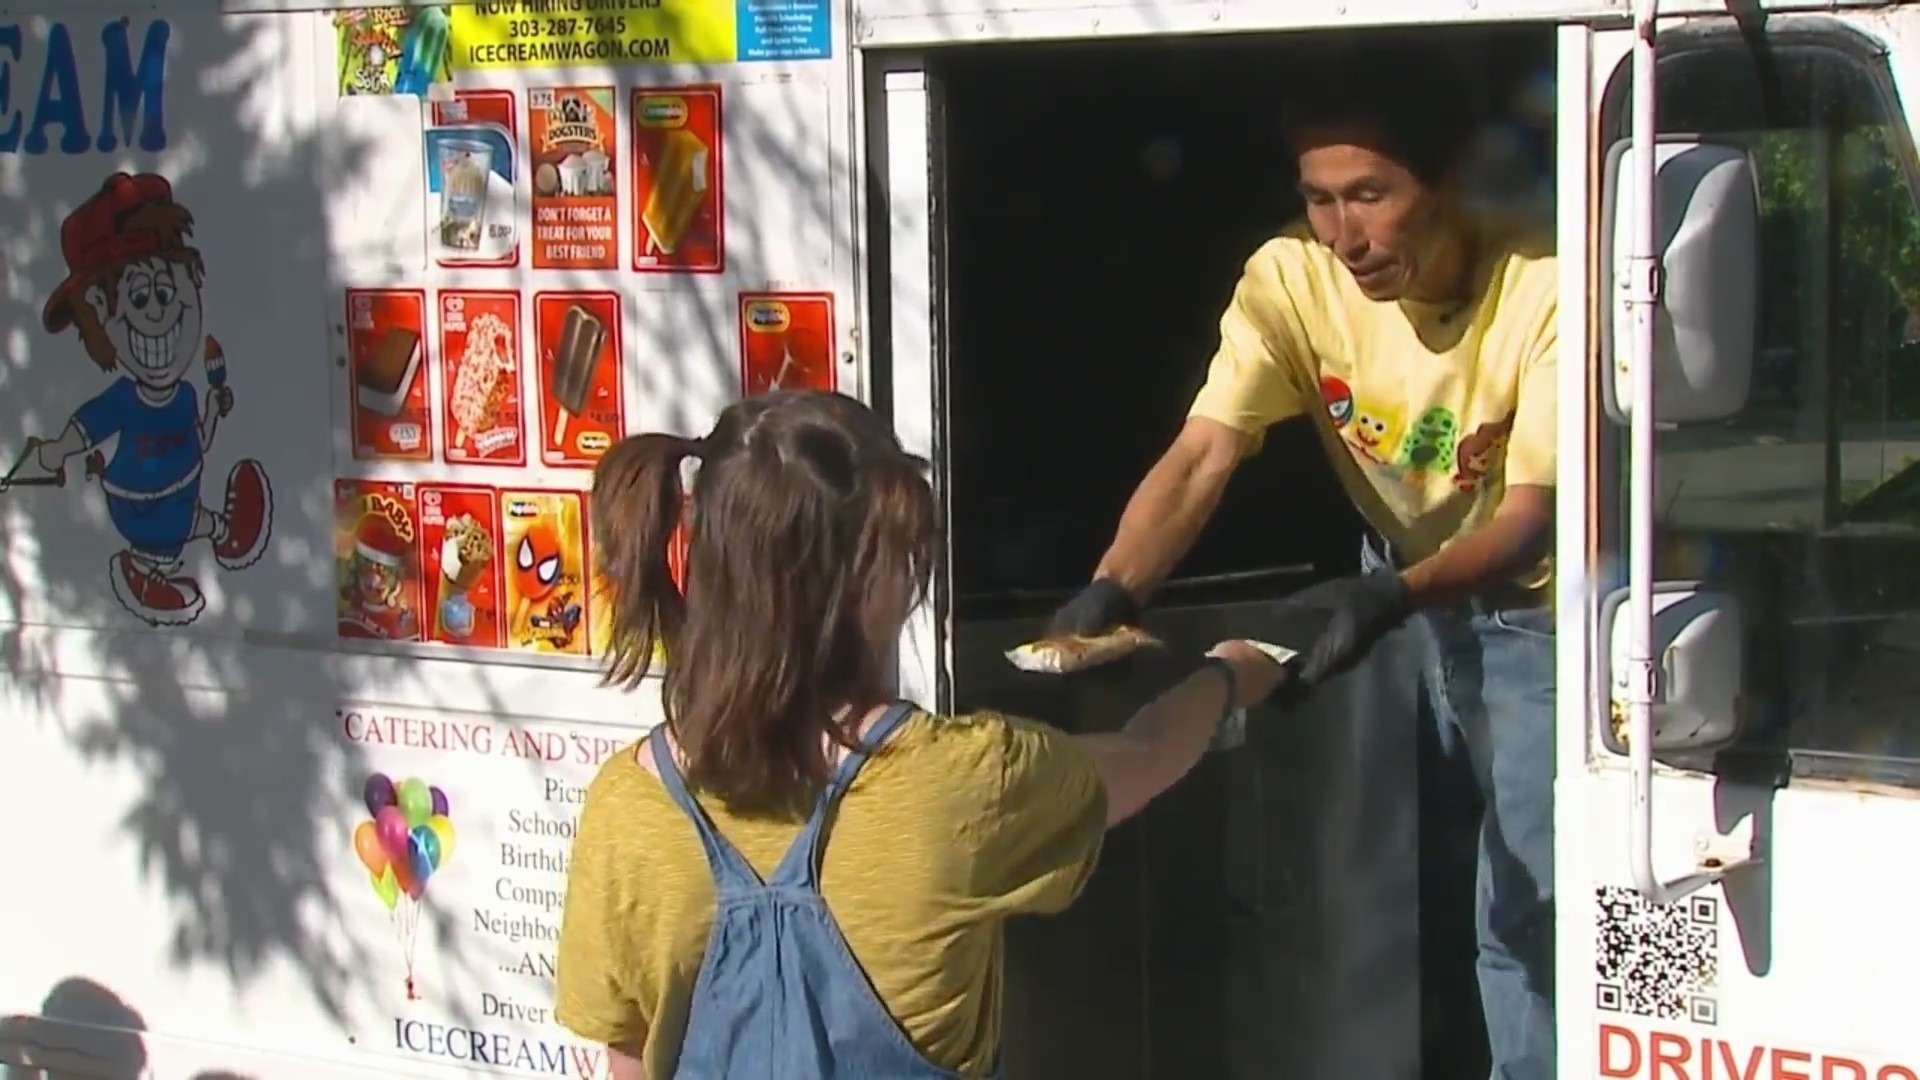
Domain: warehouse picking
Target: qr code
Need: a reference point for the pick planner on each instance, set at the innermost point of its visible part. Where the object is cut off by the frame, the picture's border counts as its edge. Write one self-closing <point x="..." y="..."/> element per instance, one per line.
<point x="1660" y="961"/>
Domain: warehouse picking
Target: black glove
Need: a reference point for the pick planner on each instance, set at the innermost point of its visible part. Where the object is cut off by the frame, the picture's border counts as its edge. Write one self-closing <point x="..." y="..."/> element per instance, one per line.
<point x="1099" y="607"/>
<point x="1360" y="609"/>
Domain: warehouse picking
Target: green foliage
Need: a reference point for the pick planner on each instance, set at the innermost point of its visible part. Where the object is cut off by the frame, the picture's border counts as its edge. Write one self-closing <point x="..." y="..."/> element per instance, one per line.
<point x="1815" y="183"/>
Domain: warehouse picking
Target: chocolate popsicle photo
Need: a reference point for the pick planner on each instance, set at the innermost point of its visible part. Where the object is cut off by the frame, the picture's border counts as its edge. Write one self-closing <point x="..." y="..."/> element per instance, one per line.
<point x="575" y="363"/>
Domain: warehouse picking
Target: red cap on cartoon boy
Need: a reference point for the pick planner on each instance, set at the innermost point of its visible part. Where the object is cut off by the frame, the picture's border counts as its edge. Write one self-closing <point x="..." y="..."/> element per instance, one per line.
<point x="98" y="235"/>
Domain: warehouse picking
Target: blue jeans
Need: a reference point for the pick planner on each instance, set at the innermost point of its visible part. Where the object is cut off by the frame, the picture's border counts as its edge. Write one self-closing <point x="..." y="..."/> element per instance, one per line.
<point x="1488" y="684"/>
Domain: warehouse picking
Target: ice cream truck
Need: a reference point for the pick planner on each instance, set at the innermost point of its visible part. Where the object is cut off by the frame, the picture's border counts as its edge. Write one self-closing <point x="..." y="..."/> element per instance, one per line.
<point x="317" y="317"/>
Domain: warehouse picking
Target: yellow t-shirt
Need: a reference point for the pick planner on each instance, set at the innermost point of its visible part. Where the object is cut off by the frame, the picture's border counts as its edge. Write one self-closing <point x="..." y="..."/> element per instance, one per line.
<point x="953" y="826"/>
<point x="1427" y="414"/>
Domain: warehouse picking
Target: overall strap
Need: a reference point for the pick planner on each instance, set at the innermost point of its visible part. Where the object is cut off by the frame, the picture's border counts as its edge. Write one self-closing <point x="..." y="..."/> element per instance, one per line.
<point x="731" y="871"/>
<point x="800" y="868"/>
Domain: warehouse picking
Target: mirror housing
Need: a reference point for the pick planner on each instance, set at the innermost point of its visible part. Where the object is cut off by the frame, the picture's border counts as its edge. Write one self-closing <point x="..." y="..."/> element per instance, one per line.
<point x="1707" y="236"/>
<point x="1699" y="643"/>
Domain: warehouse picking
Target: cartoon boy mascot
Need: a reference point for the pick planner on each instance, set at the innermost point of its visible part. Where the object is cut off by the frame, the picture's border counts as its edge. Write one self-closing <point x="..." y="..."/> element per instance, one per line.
<point x="132" y="293"/>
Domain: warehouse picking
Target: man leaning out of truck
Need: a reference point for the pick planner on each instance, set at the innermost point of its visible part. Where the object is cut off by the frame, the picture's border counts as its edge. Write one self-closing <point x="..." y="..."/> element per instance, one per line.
<point x="1419" y="336"/>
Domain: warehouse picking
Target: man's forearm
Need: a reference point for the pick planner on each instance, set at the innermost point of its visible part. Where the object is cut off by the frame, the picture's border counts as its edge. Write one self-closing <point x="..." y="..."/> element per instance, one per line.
<point x="1517" y="538"/>
<point x="1163" y="519"/>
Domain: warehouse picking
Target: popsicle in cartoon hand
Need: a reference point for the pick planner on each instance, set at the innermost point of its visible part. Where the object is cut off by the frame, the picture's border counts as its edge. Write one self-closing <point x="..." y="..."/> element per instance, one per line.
<point x="219" y="394"/>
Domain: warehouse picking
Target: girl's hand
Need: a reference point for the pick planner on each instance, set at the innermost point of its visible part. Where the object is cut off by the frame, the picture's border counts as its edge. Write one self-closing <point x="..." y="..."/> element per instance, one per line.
<point x="1256" y="674"/>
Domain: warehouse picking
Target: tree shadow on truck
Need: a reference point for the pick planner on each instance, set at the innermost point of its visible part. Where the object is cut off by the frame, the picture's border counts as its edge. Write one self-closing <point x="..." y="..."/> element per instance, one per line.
<point x="174" y="682"/>
<point x="84" y="1032"/>
<point x="141" y="741"/>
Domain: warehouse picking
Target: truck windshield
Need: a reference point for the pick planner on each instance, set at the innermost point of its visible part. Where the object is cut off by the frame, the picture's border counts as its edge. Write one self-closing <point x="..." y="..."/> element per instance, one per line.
<point x="1807" y="505"/>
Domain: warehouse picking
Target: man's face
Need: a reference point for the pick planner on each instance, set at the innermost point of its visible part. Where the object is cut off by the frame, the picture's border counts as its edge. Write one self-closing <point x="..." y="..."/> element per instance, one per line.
<point x="1383" y="222"/>
<point x="153" y="320"/>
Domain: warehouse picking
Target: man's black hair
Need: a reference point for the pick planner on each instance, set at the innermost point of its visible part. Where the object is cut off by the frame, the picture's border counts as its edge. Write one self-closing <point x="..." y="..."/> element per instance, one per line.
<point x="1416" y="101"/>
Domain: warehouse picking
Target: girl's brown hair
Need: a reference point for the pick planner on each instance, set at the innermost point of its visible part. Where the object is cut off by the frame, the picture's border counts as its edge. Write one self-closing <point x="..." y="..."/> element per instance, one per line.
<point x="810" y="536"/>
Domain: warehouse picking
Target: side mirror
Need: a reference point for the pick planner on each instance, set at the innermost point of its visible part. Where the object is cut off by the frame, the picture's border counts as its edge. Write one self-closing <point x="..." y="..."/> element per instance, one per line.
<point x="1698" y="644"/>
<point x="1707" y="235"/>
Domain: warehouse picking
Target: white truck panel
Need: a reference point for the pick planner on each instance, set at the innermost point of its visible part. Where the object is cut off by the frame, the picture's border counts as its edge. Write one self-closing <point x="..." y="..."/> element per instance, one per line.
<point x="190" y="791"/>
<point x="182" y="798"/>
<point x="1800" y="962"/>
<point x="1793" y="967"/>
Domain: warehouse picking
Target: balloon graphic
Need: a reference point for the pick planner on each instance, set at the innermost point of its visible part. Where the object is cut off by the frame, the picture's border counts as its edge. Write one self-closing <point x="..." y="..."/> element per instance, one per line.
<point x="422" y="869"/>
<point x="391" y="825"/>
<point x="386" y="886"/>
<point x="379" y="793"/>
<point x="416" y="801"/>
<point x="426" y="853"/>
<point x="442" y="828"/>
<point x="403" y="874"/>
<point x="366" y="844"/>
<point x="408" y="840"/>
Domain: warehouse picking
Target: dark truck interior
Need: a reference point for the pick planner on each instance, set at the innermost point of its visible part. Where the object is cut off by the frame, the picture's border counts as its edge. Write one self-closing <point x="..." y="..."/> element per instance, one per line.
<point x="1262" y="919"/>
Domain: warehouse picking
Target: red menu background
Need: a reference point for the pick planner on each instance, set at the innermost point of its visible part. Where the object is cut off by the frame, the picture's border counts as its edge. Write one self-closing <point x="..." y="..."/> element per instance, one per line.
<point x="589" y="436"/>
<point x="484" y="107"/>
<point x="356" y="620"/>
<point x="407" y="435"/>
<point x="777" y="326"/>
<point x="657" y="110"/>
<point x="438" y="505"/>
<point x="458" y="310"/>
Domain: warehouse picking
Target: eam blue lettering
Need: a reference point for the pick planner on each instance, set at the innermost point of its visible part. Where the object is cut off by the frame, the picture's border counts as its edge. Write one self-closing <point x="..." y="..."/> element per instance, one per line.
<point x="59" y="101"/>
<point x="131" y="89"/>
<point x="9" y="56"/>
<point x="132" y="92"/>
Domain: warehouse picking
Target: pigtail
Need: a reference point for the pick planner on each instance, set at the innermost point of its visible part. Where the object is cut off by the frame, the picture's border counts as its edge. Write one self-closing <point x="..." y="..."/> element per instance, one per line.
<point x="635" y="507"/>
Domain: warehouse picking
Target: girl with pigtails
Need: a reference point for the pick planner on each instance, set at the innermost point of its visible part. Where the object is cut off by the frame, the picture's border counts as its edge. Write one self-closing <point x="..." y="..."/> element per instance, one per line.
<point x="795" y="874"/>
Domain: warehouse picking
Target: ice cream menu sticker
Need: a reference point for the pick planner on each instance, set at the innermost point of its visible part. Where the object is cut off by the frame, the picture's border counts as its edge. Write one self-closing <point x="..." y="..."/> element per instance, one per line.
<point x="480" y="354"/>
<point x="376" y="553"/>
<point x="460" y="549"/>
<point x="471" y="198"/>
<point x="386" y="353"/>
<point x="575" y="210"/>
<point x="786" y="342"/>
<point x="578" y="337"/>
<point x="677" y="180"/>
<point x="544" y="536"/>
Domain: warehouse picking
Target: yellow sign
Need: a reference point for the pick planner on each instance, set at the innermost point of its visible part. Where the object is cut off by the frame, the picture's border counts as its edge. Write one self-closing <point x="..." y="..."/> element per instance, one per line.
<point x="491" y="35"/>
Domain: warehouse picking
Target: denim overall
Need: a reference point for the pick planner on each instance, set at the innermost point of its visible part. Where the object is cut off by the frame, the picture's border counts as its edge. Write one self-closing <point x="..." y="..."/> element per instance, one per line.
<point x="779" y="995"/>
<point x="1488" y="680"/>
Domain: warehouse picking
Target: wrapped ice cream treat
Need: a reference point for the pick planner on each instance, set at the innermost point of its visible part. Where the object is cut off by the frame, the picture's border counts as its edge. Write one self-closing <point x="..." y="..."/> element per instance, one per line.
<point x="1278" y="654"/>
<point x="1072" y="652"/>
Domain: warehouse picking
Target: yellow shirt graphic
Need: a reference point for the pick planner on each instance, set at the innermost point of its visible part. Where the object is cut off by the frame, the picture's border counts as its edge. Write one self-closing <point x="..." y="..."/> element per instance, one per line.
<point x="956" y="824"/>
<point x="1427" y="413"/>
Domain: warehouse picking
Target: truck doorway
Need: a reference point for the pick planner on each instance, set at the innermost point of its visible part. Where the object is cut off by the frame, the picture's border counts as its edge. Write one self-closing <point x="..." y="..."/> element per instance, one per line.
<point x="1089" y="208"/>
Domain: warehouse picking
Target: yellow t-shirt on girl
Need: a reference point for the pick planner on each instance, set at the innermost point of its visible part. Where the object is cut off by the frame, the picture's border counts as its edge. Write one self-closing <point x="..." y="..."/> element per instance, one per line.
<point x="955" y="824"/>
